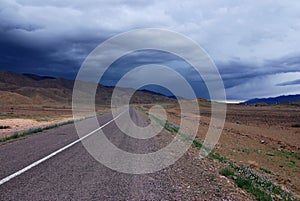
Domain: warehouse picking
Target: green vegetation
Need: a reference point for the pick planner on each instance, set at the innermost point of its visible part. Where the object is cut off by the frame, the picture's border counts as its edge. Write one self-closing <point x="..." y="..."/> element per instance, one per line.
<point x="249" y="187"/>
<point x="288" y="154"/>
<point x="174" y="129"/>
<point x="248" y="181"/>
<point x="218" y="157"/>
<point x="197" y="144"/>
<point x="258" y="185"/>
<point x="227" y="172"/>
<point x="294" y="157"/>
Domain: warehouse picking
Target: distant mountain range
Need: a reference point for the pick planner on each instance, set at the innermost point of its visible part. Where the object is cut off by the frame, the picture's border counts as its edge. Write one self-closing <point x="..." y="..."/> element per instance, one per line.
<point x="275" y="100"/>
<point x="28" y="90"/>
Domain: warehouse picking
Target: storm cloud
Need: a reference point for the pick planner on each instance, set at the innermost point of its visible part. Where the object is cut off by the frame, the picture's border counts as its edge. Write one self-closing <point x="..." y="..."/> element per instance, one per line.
<point x="294" y="82"/>
<point x="255" y="45"/>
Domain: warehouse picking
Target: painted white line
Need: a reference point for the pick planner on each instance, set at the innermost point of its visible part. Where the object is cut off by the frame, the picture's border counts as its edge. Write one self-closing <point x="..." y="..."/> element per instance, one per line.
<point x="6" y="179"/>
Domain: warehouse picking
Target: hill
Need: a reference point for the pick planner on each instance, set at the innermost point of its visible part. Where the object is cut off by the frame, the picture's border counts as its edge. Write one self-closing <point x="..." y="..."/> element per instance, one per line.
<point x="28" y="90"/>
<point x="275" y="100"/>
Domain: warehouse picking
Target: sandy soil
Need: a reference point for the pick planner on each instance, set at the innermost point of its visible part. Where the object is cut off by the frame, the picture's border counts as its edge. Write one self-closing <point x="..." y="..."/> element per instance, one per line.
<point x="21" y="125"/>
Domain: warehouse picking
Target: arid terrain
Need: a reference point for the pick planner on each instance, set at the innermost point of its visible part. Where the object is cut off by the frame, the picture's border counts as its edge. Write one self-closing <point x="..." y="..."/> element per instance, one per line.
<point x="19" y="120"/>
<point x="260" y="141"/>
<point x="29" y="102"/>
<point x="263" y="137"/>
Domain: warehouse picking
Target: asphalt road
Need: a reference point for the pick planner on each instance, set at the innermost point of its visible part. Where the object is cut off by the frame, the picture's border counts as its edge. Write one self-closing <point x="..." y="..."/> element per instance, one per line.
<point x="73" y="174"/>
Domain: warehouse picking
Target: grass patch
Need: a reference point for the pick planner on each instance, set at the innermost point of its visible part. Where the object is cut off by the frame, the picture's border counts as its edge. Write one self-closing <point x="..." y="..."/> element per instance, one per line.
<point x="227" y="172"/>
<point x="197" y="144"/>
<point x="4" y="127"/>
<point x="218" y="157"/>
<point x="258" y="185"/>
<point x="174" y="129"/>
<point x="286" y="154"/>
<point x="250" y="188"/>
<point x="170" y="127"/>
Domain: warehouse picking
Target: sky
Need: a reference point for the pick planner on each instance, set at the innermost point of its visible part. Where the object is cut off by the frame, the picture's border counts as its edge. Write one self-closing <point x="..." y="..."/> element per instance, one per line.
<point x="254" y="44"/>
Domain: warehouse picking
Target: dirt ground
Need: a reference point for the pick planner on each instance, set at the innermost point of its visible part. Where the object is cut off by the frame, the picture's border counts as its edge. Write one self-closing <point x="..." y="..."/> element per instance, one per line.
<point x="21" y="125"/>
<point x="265" y="137"/>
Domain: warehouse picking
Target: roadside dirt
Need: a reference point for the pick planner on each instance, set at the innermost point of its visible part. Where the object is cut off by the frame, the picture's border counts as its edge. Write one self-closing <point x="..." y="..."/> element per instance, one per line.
<point x="20" y="125"/>
<point x="262" y="137"/>
<point x="19" y="120"/>
<point x="199" y="179"/>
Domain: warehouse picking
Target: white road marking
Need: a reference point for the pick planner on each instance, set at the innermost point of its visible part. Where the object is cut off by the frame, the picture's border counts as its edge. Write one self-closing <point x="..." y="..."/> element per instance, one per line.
<point x="6" y="179"/>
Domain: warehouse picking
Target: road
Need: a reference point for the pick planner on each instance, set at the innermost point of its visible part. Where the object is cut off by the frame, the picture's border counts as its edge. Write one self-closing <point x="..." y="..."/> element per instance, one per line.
<point x="74" y="174"/>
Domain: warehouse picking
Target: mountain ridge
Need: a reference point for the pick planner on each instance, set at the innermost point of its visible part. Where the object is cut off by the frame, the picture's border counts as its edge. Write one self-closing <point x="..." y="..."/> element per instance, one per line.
<point x="29" y="90"/>
<point x="275" y="100"/>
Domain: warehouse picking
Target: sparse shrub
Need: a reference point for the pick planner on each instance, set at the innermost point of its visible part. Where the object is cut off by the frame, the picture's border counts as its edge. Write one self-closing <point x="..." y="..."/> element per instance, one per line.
<point x="218" y="157"/>
<point x="4" y="127"/>
<point x="296" y="125"/>
<point x="243" y="183"/>
<point x="197" y="144"/>
<point x="265" y="170"/>
<point x="212" y="177"/>
<point x="249" y="186"/>
<point x="227" y="172"/>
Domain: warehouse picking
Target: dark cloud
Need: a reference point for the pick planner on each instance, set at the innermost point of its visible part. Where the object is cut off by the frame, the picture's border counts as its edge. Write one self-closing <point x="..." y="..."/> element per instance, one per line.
<point x="244" y="80"/>
<point x="144" y="57"/>
<point x="238" y="72"/>
<point x="294" y="82"/>
<point x="249" y="42"/>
